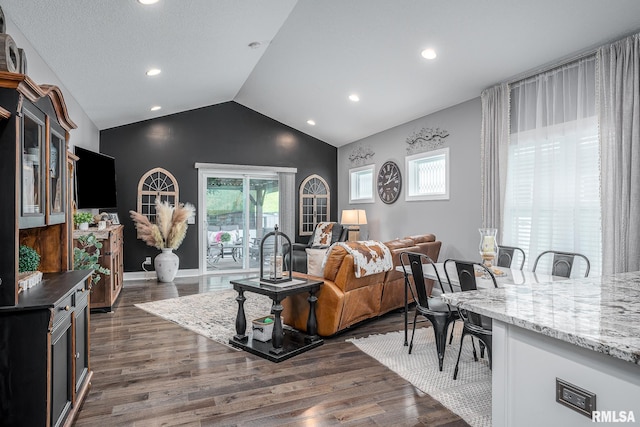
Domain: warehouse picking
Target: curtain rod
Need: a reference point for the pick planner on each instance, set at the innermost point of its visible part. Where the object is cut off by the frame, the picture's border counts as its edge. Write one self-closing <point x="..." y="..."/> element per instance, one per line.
<point x="574" y="58"/>
<point x="550" y="67"/>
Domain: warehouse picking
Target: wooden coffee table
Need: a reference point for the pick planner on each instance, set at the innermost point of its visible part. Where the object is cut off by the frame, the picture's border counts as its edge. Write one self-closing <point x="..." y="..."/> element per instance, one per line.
<point x="284" y="343"/>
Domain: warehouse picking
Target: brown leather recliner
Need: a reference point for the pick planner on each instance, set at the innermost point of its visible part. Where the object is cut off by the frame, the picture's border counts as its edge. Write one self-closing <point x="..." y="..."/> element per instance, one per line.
<point x="345" y="300"/>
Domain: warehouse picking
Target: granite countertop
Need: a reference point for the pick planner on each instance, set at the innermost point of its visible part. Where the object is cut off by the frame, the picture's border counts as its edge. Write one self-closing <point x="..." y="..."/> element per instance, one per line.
<point x="601" y="313"/>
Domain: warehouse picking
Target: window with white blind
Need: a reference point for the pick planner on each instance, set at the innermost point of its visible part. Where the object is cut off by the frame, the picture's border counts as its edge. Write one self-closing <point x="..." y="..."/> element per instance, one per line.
<point x="361" y="184"/>
<point x="428" y="175"/>
<point x="552" y="199"/>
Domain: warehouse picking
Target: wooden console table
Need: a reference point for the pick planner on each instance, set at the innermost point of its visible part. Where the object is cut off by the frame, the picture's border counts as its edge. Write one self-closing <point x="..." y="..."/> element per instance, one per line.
<point x="284" y="343"/>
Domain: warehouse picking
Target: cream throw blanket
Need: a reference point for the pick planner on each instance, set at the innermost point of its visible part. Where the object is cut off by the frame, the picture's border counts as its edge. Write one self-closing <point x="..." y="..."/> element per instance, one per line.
<point x="369" y="257"/>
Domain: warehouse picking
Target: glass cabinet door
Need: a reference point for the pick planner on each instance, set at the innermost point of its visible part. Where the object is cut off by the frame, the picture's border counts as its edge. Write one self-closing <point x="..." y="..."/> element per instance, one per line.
<point x="32" y="197"/>
<point x="56" y="182"/>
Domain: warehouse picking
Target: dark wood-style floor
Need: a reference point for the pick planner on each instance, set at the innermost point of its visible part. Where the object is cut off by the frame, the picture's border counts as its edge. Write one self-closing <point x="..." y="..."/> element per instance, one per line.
<point x="151" y="372"/>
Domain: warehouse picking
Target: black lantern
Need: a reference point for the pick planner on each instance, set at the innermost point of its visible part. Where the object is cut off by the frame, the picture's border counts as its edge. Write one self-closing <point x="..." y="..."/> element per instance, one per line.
<point x="276" y="262"/>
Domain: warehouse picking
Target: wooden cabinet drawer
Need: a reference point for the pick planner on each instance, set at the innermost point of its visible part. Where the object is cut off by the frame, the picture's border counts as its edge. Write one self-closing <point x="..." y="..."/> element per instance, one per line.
<point x="63" y="309"/>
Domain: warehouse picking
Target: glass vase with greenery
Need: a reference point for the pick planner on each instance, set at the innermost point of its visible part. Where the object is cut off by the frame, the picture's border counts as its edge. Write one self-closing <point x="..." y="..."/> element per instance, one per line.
<point x="87" y="256"/>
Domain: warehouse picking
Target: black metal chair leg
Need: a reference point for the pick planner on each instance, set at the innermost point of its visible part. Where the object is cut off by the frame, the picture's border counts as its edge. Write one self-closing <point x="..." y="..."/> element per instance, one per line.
<point x="487" y="343"/>
<point x="455" y="371"/>
<point x="413" y="332"/>
<point x="482" y="350"/>
<point x="453" y="326"/>
<point x="440" y="330"/>
<point x="473" y="345"/>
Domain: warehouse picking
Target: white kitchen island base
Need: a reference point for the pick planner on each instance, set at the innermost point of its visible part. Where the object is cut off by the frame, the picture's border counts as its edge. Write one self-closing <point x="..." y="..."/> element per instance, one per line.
<point x="584" y="331"/>
<point x="526" y="365"/>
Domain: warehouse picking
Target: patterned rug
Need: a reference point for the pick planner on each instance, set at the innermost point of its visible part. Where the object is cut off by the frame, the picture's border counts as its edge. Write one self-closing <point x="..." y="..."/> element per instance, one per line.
<point x="469" y="396"/>
<point x="211" y="314"/>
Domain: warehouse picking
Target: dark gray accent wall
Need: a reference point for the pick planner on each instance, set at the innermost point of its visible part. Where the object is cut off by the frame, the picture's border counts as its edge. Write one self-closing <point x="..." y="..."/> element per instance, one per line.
<point x="225" y="133"/>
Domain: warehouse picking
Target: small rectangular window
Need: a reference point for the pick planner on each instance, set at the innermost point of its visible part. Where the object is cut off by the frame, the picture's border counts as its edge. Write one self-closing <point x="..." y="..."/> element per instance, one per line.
<point x="428" y="175"/>
<point x="361" y="184"/>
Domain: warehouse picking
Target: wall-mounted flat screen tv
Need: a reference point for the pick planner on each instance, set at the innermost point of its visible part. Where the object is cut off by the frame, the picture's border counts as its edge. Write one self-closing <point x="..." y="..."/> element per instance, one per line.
<point x="95" y="180"/>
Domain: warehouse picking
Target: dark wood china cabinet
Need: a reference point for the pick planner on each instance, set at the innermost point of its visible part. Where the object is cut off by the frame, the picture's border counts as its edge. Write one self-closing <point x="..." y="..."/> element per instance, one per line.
<point x="44" y="330"/>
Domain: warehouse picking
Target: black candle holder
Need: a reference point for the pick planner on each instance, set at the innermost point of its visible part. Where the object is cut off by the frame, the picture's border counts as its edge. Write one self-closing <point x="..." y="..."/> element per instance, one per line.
<point x="277" y="235"/>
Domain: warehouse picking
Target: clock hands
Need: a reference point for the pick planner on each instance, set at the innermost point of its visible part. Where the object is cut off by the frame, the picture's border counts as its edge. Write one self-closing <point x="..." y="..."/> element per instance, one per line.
<point x="391" y="178"/>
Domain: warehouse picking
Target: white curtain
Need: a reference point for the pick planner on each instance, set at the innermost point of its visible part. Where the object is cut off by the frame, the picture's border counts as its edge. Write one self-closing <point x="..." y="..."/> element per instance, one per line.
<point x="552" y="198"/>
<point x="287" y="184"/>
<point x="620" y="136"/>
<point x="494" y="139"/>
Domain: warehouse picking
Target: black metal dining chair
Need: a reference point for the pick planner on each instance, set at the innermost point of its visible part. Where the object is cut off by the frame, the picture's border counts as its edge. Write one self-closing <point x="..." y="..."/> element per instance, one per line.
<point x="434" y="310"/>
<point x="562" y="263"/>
<point x="507" y="254"/>
<point x="474" y="324"/>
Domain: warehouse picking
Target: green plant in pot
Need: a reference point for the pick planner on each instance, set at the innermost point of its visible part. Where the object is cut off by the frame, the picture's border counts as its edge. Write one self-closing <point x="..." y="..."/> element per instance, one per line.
<point x="225" y="237"/>
<point x="82" y="219"/>
<point x="87" y="257"/>
<point x="28" y="259"/>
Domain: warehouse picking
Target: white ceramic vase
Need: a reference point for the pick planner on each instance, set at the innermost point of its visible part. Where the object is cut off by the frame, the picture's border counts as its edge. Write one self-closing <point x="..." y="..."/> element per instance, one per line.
<point x="166" y="265"/>
<point x="83" y="226"/>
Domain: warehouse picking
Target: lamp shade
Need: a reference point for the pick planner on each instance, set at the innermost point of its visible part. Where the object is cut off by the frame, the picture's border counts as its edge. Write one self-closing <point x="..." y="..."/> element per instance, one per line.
<point x="353" y="217"/>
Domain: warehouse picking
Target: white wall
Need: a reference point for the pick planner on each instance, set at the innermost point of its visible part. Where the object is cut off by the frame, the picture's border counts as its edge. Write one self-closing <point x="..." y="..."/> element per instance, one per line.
<point x="455" y="221"/>
<point x="87" y="134"/>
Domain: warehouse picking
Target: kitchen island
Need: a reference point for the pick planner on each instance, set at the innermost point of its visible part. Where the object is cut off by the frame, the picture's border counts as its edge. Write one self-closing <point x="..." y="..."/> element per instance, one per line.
<point x="585" y="332"/>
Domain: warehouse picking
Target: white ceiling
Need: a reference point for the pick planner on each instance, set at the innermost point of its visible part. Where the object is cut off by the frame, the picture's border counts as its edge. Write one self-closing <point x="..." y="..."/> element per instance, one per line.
<point x="313" y="54"/>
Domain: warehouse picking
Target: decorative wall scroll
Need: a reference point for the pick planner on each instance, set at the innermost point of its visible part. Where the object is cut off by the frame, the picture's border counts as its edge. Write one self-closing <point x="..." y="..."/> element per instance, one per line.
<point x="426" y="139"/>
<point x="360" y="155"/>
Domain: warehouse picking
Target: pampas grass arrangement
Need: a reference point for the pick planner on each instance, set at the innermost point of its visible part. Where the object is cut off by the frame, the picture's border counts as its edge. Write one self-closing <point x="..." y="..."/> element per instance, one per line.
<point x="170" y="228"/>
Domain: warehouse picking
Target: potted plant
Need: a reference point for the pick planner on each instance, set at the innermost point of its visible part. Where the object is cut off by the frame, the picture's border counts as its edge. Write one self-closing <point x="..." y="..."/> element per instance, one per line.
<point x="28" y="259"/>
<point x="28" y="263"/>
<point x="82" y="220"/>
<point x="86" y="257"/>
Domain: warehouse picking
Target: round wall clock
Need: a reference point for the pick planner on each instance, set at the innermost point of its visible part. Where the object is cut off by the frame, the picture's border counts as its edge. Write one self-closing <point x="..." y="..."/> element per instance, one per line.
<point x="389" y="182"/>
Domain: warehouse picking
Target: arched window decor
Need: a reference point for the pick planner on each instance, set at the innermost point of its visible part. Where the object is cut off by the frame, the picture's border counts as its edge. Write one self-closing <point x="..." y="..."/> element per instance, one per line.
<point x="314" y="203"/>
<point x="157" y="183"/>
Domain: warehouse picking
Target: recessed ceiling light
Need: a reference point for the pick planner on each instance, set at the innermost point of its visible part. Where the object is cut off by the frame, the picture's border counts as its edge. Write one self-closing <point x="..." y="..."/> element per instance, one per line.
<point x="353" y="97"/>
<point x="429" y="54"/>
<point x="311" y="122"/>
<point x="154" y="72"/>
<point x="156" y="108"/>
<point x="147" y="2"/>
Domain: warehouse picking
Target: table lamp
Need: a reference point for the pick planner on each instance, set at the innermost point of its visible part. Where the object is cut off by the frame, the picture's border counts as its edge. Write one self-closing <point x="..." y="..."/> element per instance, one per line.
<point x="353" y="218"/>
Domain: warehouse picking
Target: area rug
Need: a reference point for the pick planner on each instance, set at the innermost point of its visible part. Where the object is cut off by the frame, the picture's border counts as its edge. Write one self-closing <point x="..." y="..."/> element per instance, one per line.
<point x="212" y="314"/>
<point x="469" y="396"/>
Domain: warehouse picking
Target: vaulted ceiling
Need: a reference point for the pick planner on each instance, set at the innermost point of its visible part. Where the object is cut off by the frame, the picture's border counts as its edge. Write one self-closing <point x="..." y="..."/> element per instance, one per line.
<point x="311" y="55"/>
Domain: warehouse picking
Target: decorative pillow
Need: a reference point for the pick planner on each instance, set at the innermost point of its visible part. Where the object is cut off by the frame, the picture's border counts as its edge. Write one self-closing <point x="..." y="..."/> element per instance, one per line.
<point x="315" y="258"/>
<point x="322" y="236"/>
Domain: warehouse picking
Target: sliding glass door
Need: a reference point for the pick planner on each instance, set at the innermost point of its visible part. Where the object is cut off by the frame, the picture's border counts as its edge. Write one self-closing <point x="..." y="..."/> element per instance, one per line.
<point x="239" y="209"/>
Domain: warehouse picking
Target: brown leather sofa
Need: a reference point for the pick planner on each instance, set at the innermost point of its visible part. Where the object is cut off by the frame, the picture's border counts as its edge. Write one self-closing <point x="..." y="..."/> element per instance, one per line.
<point x="345" y="300"/>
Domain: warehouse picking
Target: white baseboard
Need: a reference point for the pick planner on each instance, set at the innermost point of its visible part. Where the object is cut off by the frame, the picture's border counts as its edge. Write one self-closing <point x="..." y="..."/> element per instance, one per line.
<point x="151" y="275"/>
